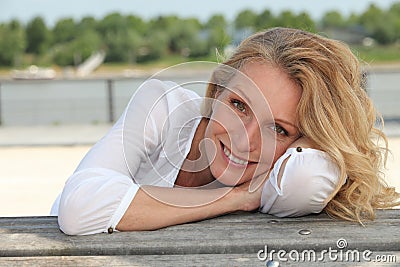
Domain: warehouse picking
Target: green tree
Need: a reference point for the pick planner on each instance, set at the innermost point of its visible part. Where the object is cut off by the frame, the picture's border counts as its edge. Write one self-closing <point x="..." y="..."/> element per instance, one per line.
<point x="38" y="36"/>
<point x="305" y="22"/>
<point x="168" y="25"/>
<point x="246" y="19"/>
<point x="112" y="23"/>
<point x="333" y="19"/>
<point x="64" y="31"/>
<point x="378" y="24"/>
<point x="265" y="20"/>
<point x="12" y="43"/>
<point x="183" y="35"/>
<point x="121" y="37"/>
<point x="85" y="24"/>
<point x="76" y="51"/>
<point x="216" y="21"/>
<point x="122" y="46"/>
<point x="185" y="39"/>
<point x="301" y="21"/>
<point x="394" y="14"/>
<point x="217" y="33"/>
<point x="353" y="19"/>
<point x="153" y="47"/>
<point x="286" y="19"/>
<point x="137" y="24"/>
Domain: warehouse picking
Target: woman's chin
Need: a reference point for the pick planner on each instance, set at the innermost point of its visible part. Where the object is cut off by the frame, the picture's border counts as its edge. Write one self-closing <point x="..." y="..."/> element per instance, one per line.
<point x="228" y="176"/>
<point x="228" y="181"/>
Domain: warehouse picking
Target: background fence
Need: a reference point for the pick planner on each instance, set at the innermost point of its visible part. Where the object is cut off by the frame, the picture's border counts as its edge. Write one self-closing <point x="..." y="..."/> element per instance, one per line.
<point x="93" y="101"/>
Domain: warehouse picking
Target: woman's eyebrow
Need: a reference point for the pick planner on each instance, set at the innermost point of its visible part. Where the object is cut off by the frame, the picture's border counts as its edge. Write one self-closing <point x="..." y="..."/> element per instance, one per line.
<point x="241" y="93"/>
<point x="286" y="122"/>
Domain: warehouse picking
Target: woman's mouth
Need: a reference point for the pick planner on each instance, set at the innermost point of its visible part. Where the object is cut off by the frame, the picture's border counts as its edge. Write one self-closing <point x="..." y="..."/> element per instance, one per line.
<point x="232" y="158"/>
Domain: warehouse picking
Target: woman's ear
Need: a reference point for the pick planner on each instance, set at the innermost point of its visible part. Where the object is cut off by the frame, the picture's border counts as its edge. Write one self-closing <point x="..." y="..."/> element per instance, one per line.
<point x="218" y="92"/>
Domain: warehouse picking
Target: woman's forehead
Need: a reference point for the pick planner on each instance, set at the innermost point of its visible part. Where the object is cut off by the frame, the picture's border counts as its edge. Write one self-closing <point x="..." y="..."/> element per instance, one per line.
<point x="263" y="86"/>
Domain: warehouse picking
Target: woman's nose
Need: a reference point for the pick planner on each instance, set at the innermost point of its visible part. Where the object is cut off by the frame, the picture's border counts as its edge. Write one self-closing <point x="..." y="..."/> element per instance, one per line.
<point x="247" y="137"/>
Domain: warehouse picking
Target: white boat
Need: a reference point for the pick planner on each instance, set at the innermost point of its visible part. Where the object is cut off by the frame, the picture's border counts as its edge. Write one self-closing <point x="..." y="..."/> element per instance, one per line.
<point x="90" y="64"/>
<point x="33" y="72"/>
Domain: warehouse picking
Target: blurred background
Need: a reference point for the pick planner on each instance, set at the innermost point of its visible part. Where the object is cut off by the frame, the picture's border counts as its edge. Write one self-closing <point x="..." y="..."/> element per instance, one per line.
<point x="67" y="71"/>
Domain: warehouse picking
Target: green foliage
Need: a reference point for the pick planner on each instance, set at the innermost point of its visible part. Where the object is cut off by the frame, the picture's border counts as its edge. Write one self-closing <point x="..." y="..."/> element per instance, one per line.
<point x="137" y="24"/>
<point x="245" y="19"/>
<point x="38" y="36"/>
<point x="75" y="51"/>
<point x="216" y="33"/>
<point x="64" y="31"/>
<point x="333" y="19"/>
<point x="121" y="45"/>
<point x="129" y="39"/>
<point x="383" y="26"/>
<point x="154" y="47"/>
<point x="265" y="20"/>
<point x="87" y="23"/>
<point x="12" y="43"/>
<point x="248" y="19"/>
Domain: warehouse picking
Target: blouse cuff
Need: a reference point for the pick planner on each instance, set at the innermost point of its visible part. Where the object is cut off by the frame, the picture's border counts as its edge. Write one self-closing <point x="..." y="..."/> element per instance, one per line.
<point x="308" y="179"/>
<point x="123" y="206"/>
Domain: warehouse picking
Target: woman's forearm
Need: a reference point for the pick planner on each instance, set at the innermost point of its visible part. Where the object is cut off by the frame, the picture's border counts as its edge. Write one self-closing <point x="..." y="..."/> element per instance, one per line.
<point x="157" y="207"/>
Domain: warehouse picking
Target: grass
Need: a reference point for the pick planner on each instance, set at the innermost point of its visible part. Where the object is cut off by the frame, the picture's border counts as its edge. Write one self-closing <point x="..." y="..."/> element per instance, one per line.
<point x="378" y="54"/>
<point x="5" y="71"/>
<point x="165" y="62"/>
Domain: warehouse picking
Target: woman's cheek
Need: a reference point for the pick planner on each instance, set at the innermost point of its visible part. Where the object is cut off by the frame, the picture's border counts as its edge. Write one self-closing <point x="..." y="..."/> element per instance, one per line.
<point x="281" y="148"/>
<point x="279" y="151"/>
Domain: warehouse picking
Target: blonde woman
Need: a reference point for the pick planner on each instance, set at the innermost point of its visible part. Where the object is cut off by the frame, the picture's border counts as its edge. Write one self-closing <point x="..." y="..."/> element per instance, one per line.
<point x="334" y="113"/>
<point x="286" y="127"/>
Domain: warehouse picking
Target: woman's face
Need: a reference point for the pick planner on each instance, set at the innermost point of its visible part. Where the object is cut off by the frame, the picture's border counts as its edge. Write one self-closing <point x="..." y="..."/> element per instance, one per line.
<point x="252" y="124"/>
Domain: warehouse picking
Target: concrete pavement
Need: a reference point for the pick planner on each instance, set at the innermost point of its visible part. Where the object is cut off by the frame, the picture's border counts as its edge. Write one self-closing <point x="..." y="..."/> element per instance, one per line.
<point x="82" y="134"/>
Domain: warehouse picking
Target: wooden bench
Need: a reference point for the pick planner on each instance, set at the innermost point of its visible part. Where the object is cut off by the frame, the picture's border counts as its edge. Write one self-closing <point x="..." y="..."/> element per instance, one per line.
<point x="239" y="239"/>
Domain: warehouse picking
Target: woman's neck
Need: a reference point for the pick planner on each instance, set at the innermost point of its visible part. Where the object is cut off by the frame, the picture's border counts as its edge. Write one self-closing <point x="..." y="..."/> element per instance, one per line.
<point x="192" y="174"/>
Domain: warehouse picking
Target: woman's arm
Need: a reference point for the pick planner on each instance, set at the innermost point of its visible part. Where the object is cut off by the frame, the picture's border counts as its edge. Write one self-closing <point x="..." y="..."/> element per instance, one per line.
<point x="152" y="209"/>
<point x="147" y="212"/>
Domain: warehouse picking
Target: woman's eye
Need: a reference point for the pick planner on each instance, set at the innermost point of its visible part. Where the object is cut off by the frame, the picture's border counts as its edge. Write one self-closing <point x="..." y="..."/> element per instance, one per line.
<point x="280" y="130"/>
<point x="239" y="105"/>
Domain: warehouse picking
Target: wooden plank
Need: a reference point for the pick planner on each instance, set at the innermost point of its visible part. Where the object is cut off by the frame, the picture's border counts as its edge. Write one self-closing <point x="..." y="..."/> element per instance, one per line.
<point x="240" y="233"/>
<point x="387" y="258"/>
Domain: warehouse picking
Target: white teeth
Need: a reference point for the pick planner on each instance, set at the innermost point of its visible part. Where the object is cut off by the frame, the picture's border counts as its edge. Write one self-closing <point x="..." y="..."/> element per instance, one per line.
<point x="233" y="158"/>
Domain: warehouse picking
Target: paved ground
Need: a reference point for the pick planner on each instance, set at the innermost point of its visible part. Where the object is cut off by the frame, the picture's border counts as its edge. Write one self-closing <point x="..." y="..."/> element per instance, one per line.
<point x="61" y="135"/>
<point x="67" y="135"/>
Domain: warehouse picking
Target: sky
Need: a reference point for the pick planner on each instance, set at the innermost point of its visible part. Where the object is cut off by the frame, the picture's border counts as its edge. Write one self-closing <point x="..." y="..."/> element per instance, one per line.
<point x="53" y="10"/>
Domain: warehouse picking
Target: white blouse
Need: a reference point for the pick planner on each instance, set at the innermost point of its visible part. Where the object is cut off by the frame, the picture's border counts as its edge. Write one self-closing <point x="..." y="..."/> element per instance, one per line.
<point x="307" y="180"/>
<point x="148" y="145"/>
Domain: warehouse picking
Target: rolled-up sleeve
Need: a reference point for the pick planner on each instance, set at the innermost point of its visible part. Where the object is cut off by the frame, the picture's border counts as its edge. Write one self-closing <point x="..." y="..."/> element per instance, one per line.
<point x="100" y="191"/>
<point x="307" y="180"/>
<point x="94" y="200"/>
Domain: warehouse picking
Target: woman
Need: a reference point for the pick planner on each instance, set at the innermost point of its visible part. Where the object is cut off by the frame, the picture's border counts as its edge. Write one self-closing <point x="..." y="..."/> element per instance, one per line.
<point x="294" y="102"/>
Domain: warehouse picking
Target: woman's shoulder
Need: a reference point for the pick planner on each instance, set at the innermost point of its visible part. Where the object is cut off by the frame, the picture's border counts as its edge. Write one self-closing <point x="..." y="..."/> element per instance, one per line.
<point x="167" y="89"/>
<point x="162" y="98"/>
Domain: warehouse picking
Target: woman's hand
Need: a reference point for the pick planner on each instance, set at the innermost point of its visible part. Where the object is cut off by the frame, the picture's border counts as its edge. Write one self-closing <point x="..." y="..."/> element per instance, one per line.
<point x="250" y="193"/>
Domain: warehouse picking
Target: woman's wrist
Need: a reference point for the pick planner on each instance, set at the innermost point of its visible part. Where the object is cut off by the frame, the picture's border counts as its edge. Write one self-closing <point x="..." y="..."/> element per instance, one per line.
<point x="238" y="199"/>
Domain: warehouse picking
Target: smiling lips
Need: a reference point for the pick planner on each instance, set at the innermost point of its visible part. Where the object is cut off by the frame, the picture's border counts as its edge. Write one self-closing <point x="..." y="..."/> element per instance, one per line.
<point x="232" y="158"/>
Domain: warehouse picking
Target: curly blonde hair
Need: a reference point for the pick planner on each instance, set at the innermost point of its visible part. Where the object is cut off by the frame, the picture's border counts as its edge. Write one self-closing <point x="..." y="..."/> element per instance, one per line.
<point x="334" y="111"/>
